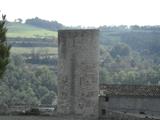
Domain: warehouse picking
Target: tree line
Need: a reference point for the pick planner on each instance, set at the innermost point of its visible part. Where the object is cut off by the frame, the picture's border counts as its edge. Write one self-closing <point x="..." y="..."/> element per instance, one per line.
<point x="50" y="25"/>
<point x="27" y="85"/>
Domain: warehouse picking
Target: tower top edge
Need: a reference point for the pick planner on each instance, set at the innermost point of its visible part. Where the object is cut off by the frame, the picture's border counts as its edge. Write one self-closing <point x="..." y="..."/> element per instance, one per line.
<point x="78" y="30"/>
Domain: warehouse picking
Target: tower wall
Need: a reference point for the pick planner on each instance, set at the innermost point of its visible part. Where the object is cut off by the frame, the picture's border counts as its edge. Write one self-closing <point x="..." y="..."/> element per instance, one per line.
<point x="78" y="72"/>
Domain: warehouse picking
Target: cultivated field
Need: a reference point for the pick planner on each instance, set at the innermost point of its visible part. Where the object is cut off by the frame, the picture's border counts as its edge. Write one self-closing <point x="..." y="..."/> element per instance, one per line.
<point x="28" y="31"/>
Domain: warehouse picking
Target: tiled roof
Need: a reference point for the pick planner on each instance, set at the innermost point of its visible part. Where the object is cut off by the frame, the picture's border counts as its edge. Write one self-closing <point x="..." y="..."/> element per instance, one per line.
<point x="129" y="90"/>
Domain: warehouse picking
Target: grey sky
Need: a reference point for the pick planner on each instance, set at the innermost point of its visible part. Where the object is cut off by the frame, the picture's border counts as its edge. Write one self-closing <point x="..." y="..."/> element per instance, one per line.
<point x="85" y="12"/>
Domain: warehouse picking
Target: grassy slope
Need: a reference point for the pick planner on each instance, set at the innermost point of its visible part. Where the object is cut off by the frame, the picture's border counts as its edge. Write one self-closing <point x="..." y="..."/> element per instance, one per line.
<point x="27" y="31"/>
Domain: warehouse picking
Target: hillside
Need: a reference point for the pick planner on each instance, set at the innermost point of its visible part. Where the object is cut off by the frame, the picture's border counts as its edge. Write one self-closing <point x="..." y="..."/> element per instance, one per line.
<point x="46" y="24"/>
<point x="26" y="38"/>
<point x="127" y="56"/>
<point x="27" y="31"/>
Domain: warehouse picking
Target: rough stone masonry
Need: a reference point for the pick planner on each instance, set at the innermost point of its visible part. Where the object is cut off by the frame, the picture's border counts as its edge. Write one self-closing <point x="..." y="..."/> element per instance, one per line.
<point x="78" y="72"/>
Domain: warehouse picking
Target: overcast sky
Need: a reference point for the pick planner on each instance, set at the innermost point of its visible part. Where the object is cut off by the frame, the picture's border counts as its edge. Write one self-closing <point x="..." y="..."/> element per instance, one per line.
<point x="86" y="12"/>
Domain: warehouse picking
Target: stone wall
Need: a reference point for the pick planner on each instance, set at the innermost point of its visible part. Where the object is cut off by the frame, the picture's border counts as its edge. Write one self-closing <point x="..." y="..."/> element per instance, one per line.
<point x="112" y="115"/>
<point x="78" y="67"/>
<point x="130" y="104"/>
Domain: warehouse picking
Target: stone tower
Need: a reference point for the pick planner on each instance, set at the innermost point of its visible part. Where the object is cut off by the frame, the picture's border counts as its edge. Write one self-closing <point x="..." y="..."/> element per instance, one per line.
<point x="78" y="72"/>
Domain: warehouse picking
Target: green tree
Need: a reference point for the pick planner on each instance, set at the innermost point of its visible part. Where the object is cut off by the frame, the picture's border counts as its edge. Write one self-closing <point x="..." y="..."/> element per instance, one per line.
<point x="4" y="47"/>
<point x="120" y="49"/>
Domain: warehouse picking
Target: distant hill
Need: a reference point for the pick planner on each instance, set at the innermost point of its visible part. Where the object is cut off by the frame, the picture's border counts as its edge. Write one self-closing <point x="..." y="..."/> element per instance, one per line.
<point x="28" y="31"/>
<point x="50" y="25"/>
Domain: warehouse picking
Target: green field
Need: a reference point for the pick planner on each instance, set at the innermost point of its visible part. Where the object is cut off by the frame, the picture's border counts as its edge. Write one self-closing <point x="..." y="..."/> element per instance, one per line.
<point x="28" y="31"/>
<point x="29" y="50"/>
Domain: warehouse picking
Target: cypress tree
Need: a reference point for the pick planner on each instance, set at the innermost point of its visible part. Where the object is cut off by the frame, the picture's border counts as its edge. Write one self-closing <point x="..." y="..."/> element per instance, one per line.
<point x="4" y="46"/>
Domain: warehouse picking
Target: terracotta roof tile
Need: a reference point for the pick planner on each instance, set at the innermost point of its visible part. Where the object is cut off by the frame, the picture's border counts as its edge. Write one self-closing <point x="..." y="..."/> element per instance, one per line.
<point x="129" y="90"/>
